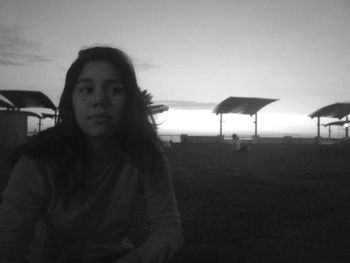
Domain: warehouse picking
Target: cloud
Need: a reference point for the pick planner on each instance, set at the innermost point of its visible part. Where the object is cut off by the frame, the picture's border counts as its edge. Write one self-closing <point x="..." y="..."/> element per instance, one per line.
<point x="17" y="50"/>
<point x="5" y="62"/>
<point x="143" y="66"/>
<point x="188" y="105"/>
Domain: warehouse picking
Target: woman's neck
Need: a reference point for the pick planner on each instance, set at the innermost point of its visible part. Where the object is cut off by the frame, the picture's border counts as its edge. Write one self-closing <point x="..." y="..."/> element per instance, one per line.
<point x="102" y="150"/>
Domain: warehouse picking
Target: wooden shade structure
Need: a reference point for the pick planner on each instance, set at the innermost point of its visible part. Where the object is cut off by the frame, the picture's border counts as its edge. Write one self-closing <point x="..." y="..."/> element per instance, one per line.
<point x="28" y="99"/>
<point x="5" y="103"/>
<point x="336" y="123"/>
<point x="16" y="100"/>
<point x="336" y="110"/>
<point x="242" y="105"/>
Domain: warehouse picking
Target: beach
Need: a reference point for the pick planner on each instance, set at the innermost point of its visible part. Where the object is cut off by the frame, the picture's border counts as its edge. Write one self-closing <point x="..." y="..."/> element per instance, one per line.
<point x="274" y="203"/>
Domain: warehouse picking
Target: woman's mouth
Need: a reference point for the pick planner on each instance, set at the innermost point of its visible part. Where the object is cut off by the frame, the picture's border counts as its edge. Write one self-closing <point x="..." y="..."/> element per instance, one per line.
<point x="100" y="117"/>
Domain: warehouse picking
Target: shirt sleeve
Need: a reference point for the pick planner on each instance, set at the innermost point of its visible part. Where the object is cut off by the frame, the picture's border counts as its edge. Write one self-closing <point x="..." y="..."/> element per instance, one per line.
<point x="22" y="207"/>
<point x="165" y="232"/>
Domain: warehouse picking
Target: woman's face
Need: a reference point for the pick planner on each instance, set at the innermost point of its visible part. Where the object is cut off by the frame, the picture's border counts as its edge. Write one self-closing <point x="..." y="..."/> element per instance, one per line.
<point x="99" y="99"/>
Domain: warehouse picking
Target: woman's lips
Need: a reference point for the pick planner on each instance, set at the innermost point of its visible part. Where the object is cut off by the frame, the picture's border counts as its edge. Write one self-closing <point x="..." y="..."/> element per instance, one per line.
<point x="100" y="116"/>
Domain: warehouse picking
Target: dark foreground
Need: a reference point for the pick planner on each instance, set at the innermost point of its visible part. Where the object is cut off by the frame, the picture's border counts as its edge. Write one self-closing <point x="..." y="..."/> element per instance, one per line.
<point x="275" y="203"/>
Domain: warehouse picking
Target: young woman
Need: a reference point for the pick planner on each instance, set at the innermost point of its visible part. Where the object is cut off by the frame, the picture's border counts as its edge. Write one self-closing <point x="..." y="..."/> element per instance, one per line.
<point x="86" y="177"/>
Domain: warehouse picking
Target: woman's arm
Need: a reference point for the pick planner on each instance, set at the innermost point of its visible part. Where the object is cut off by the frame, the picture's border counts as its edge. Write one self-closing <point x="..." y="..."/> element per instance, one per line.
<point x="165" y="232"/>
<point x="21" y="209"/>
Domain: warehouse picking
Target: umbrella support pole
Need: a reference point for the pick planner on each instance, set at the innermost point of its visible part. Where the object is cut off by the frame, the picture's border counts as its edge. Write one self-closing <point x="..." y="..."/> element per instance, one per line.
<point x="220" y="124"/>
<point x="347" y="128"/>
<point x="256" y="124"/>
<point x="39" y="126"/>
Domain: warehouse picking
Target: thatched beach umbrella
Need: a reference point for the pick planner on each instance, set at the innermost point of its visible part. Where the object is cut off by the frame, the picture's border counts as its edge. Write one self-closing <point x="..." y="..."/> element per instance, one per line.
<point x="242" y="105"/>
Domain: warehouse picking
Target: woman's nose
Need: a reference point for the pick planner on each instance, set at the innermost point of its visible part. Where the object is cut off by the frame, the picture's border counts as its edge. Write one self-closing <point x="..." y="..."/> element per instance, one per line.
<point x="101" y="99"/>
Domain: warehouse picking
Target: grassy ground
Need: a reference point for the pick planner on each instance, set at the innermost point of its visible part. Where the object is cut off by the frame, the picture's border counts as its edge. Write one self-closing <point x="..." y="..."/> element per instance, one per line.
<point x="275" y="203"/>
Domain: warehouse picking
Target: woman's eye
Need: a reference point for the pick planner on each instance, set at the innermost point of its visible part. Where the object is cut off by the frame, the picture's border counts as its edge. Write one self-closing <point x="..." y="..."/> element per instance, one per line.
<point x="85" y="89"/>
<point x="115" y="89"/>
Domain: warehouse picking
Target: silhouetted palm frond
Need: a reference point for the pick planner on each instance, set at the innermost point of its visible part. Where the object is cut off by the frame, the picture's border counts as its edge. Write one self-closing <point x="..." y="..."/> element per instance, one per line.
<point x="148" y="97"/>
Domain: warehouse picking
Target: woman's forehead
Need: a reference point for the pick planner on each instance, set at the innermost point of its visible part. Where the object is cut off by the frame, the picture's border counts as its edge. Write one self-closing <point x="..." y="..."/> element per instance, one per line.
<point x="99" y="67"/>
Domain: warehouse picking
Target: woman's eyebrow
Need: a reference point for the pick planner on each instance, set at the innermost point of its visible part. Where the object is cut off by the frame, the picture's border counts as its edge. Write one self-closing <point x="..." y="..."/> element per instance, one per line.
<point x="105" y="82"/>
<point x="112" y="81"/>
<point x="84" y="80"/>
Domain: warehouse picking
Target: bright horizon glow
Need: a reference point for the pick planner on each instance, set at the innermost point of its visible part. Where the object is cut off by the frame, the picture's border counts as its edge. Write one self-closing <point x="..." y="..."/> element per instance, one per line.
<point x="204" y="122"/>
<point x="197" y="122"/>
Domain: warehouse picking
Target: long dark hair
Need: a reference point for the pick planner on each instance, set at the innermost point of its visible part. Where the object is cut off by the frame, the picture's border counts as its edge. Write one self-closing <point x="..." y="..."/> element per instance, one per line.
<point x="64" y="142"/>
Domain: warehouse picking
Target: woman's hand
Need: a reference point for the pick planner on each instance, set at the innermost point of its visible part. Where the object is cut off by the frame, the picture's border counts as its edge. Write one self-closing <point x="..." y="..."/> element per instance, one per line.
<point x="131" y="257"/>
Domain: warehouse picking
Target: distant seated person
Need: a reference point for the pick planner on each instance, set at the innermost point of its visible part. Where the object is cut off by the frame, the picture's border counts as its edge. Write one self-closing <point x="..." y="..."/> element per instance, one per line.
<point x="236" y="144"/>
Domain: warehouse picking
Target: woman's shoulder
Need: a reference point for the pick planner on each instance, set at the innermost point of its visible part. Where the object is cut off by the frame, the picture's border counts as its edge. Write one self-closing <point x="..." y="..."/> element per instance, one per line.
<point x="48" y="144"/>
<point x="34" y="170"/>
<point x="28" y="186"/>
<point x="32" y="160"/>
<point x="32" y="166"/>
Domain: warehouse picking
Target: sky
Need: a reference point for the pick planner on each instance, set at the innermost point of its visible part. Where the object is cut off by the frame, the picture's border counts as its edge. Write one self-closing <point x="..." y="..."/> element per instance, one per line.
<point x="192" y="54"/>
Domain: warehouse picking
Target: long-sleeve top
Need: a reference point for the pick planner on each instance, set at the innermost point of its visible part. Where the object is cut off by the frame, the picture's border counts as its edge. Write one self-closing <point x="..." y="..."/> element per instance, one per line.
<point x="95" y="225"/>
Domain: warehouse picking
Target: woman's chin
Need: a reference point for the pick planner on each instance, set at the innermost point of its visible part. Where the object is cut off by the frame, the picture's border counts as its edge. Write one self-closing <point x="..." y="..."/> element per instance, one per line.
<point x="101" y="134"/>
